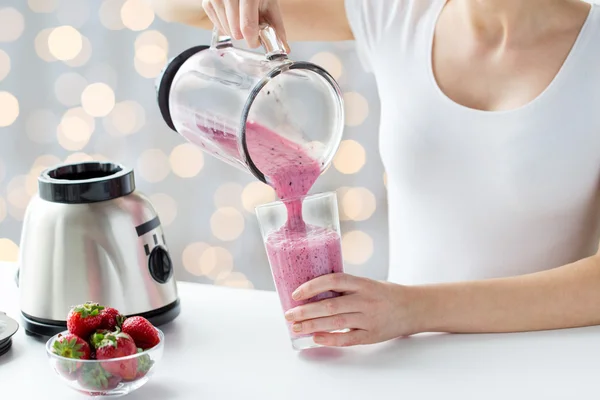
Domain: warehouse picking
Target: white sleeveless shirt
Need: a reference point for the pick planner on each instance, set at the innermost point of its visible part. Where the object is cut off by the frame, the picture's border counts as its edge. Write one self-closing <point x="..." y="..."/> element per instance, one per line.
<point x="475" y="194"/>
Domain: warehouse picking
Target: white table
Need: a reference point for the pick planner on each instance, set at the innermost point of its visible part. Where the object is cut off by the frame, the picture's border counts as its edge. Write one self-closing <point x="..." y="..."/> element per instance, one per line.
<point x="232" y="344"/>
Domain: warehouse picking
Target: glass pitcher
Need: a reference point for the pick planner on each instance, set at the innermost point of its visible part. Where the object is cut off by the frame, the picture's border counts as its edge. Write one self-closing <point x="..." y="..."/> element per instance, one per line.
<point x="236" y="103"/>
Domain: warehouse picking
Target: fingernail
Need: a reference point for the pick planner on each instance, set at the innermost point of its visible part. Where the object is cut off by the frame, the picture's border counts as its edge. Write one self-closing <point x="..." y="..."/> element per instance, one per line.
<point x="296" y="294"/>
<point x="319" y="338"/>
<point x="297" y="327"/>
<point x="289" y="315"/>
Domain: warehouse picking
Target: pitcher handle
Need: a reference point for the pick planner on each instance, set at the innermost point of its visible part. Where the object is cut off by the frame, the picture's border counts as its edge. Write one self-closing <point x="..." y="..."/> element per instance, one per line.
<point x="271" y="43"/>
<point x="220" y="41"/>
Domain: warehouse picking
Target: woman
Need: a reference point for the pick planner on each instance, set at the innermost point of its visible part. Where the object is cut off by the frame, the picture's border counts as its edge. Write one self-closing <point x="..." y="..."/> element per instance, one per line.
<point x="490" y="136"/>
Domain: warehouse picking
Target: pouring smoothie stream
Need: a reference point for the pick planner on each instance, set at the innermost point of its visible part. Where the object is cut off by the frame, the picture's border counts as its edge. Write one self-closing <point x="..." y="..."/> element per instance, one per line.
<point x="297" y="252"/>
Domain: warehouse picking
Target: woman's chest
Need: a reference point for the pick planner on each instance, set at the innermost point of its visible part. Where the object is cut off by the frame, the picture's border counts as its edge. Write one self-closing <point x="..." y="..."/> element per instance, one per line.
<point x="546" y="157"/>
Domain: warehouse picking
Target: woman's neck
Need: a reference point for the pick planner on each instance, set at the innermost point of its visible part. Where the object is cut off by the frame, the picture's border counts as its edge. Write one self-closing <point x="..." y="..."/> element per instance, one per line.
<point x="506" y="22"/>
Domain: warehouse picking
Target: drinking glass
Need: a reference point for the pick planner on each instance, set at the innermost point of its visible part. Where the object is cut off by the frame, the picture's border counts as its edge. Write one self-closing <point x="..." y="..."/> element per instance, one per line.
<point x="302" y="240"/>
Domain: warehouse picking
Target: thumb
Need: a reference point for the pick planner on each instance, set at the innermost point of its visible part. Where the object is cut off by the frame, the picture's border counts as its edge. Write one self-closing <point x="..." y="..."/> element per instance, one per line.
<point x="275" y="19"/>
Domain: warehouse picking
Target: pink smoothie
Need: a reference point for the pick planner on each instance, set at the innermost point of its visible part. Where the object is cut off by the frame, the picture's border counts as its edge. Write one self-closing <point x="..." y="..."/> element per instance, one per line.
<point x="297" y="256"/>
<point x="297" y="252"/>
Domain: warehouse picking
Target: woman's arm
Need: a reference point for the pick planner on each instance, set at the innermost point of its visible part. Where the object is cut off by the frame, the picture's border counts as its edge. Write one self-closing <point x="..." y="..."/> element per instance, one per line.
<point x="564" y="297"/>
<point x="304" y="20"/>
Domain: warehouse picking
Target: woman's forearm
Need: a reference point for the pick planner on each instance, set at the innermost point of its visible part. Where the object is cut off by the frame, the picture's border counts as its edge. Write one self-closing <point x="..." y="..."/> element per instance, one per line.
<point x="189" y="12"/>
<point x="564" y="297"/>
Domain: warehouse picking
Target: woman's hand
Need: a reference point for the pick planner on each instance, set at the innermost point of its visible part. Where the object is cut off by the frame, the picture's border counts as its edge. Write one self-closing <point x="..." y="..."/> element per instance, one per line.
<point x="240" y="18"/>
<point x="373" y="311"/>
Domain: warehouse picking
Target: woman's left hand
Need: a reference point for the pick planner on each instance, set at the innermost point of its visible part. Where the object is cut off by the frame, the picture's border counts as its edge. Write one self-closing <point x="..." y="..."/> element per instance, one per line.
<point x="373" y="311"/>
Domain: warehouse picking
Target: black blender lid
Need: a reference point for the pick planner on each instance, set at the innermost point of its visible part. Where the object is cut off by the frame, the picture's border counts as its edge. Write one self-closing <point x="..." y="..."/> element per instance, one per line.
<point x="85" y="182"/>
<point x="8" y="327"/>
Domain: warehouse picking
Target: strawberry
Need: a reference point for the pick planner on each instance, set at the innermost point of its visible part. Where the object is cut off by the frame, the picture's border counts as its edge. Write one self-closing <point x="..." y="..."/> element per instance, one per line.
<point x="93" y="377"/>
<point x="111" y="318"/>
<point x="84" y="319"/>
<point x="70" y="346"/>
<point x="114" y="345"/>
<point x="142" y="331"/>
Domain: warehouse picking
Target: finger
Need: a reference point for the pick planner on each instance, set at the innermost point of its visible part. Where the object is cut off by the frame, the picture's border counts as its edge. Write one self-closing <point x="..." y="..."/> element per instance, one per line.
<point x="337" y="282"/>
<point x="249" y="21"/>
<point x="212" y="15"/>
<point x="275" y="18"/>
<point x="352" y="338"/>
<point x="328" y="324"/>
<point x="325" y="308"/>
<point x="222" y="16"/>
<point x="232" y="11"/>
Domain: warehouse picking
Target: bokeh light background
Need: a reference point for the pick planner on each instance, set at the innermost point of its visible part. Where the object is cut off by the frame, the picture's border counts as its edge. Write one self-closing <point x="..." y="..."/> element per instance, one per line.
<point x="77" y="83"/>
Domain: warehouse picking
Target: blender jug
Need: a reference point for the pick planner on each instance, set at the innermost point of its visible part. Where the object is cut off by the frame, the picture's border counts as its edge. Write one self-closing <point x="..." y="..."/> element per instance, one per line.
<point x="226" y="100"/>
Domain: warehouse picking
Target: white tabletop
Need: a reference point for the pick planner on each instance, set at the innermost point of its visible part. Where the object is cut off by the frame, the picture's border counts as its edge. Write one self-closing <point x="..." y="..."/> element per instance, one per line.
<point x="232" y="344"/>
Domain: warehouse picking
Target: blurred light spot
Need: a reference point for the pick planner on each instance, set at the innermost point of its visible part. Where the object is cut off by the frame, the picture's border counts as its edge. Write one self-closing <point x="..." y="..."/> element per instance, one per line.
<point x="46" y="161"/>
<point x="356" y="108"/>
<point x="12" y="24"/>
<point x="2" y="210"/>
<point x="150" y="54"/>
<point x="153" y="165"/>
<point x="350" y="158"/>
<point x="234" y="279"/>
<point x="229" y="195"/>
<point x="65" y="42"/>
<point x="9" y="106"/>
<point x="31" y="183"/>
<point x="151" y="49"/>
<point x="84" y="55"/>
<point x="166" y="207"/>
<point x="39" y="165"/>
<point x="75" y="129"/>
<point x="227" y="223"/>
<point x="78" y="158"/>
<point x="4" y="64"/>
<point x="41" y="45"/>
<point x="68" y="88"/>
<point x="137" y="15"/>
<point x="359" y="204"/>
<point x="357" y="247"/>
<point x="330" y="62"/>
<point x="191" y="257"/>
<point x="17" y="193"/>
<point x="126" y="118"/>
<point x="149" y="70"/>
<point x="9" y="251"/>
<point x="99" y="157"/>
<point x="215" y="261"/>
<point x="98" y="99"/>
<point x="110" y="14"/>
<point x="385" y="179"/>
<point x="73" y="12"/>
<point x="341" y="192"/>
<point x="152" y="38"/>
<point x="255" y="194"/>
<point x="186" y="160"/>
<point x="102" y="73"/>
<point x="41" y="125"/>
<point x="42" y="6"/>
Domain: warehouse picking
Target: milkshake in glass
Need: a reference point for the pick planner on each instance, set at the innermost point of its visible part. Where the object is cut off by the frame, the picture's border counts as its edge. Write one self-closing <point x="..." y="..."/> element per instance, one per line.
<point x="302" y="241"/>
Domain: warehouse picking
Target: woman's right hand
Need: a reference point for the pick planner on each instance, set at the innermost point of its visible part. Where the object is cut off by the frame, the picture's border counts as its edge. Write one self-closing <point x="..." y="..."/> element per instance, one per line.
<point x="240" y="19"/>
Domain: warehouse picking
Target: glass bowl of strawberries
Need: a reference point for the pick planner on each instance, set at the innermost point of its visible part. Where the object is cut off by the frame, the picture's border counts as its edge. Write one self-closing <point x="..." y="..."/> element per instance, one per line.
<point x="103" y="353"/>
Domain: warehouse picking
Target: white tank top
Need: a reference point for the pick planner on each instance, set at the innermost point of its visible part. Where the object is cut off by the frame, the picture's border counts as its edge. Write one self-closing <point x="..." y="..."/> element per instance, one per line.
<point x="475" y="194"/>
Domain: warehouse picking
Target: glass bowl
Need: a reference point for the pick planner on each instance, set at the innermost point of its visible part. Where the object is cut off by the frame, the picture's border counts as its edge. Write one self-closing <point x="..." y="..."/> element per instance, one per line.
<point x="101" y="377"/>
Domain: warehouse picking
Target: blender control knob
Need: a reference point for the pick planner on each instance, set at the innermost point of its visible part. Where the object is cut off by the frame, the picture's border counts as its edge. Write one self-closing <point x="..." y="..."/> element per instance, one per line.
<point x="160" y="265"/>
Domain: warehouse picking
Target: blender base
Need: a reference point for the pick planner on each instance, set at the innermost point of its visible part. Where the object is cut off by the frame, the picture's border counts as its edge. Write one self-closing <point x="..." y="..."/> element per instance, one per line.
<point x="43" y="327"/>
